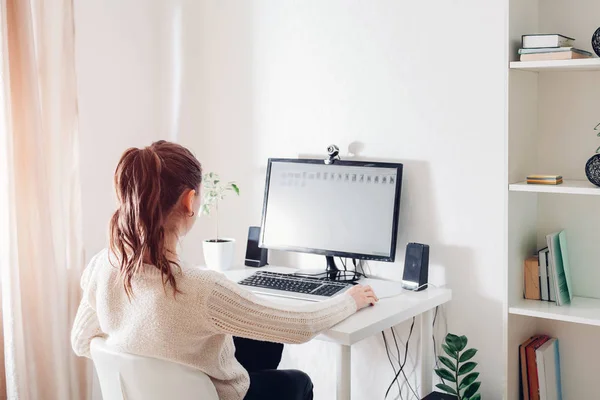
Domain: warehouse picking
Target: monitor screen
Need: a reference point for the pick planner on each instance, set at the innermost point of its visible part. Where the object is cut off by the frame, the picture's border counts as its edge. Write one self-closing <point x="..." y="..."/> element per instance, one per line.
<point x="345" y="209"/>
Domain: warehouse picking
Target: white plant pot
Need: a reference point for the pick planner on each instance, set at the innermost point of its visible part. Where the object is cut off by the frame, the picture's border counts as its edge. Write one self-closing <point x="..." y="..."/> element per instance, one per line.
<point x="218" y="256"/>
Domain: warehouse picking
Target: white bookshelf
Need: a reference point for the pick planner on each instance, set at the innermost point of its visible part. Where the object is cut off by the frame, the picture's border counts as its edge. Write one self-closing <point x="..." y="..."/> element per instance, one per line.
<point x="569" y="186"/>
<point x="586" y="64"/>
<point x="582" y="310"/>
<point x="553" y="108"/>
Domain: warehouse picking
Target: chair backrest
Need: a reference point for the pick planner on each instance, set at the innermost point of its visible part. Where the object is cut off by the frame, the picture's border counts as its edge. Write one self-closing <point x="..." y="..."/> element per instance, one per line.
<point x="125" y="376"/>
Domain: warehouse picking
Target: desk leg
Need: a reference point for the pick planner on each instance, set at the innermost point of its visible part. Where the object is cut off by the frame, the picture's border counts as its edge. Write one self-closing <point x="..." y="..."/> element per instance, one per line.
<point x="426" y="353"/>
<point x="344" y="373"/>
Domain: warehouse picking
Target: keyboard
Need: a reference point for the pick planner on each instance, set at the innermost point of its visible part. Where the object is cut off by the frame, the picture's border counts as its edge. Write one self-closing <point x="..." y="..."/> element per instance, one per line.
<point x="293" y="286"/>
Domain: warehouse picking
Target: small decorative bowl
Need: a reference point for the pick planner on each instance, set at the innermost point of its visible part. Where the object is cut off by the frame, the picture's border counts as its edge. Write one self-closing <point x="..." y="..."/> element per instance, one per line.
<point x="596" y="42"/>
<point x="592" y="169"/>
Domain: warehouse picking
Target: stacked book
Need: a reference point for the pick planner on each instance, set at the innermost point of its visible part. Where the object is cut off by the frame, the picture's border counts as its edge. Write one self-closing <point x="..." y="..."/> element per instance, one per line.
<point x="547" y="276"/>
<point x="545" y="179"/>
<point x="544" y="47"/>
<point x="540" y="368"/>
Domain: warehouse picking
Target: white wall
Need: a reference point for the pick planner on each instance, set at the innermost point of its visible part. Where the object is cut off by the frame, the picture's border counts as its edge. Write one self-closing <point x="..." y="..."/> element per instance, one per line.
<point x="240" y="81"/>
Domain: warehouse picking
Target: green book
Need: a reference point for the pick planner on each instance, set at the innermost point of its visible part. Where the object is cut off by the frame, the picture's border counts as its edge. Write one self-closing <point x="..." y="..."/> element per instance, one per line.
<point x="560" y="268"/>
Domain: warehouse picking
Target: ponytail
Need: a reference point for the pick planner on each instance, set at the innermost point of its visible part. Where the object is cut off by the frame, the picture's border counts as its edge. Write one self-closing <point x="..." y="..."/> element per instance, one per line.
<point x="149" y="183"/>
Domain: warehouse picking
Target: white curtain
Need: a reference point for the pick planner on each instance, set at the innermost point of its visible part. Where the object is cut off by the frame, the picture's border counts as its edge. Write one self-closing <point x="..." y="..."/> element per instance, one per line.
<point x="41" y="252"/>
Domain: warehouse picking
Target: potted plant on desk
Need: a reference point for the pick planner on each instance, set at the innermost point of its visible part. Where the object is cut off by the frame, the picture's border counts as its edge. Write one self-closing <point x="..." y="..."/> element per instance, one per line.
<point x="458" y="379"/>
<point x="218" y="252"/>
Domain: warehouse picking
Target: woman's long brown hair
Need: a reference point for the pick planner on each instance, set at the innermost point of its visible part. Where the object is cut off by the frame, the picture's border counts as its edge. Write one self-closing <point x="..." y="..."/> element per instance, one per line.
<point x="149" y="183"/>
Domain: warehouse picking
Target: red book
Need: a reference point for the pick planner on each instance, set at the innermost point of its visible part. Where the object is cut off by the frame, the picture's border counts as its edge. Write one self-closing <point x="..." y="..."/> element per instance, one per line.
<point x="523" y="361"/>
<point x="534" y="383"/>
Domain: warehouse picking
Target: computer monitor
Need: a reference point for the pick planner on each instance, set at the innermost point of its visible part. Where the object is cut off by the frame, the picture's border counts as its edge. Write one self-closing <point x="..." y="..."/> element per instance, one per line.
<point x="345" y="209"/>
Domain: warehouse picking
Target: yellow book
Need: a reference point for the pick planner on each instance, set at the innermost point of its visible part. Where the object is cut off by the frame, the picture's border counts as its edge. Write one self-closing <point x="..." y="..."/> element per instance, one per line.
<point x="545" y="179"/>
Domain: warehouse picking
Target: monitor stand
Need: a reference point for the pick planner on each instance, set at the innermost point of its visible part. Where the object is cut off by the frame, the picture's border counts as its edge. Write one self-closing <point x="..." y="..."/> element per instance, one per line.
<point x="331" y="273"/>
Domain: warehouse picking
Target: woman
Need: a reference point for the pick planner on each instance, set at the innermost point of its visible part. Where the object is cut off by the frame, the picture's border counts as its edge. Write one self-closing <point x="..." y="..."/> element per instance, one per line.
<point x="143" y="302"/>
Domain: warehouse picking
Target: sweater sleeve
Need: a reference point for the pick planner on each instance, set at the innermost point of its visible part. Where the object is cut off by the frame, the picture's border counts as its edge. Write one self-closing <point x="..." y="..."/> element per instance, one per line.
<point x="86" y="325"/>
<point x="236" y="311"/>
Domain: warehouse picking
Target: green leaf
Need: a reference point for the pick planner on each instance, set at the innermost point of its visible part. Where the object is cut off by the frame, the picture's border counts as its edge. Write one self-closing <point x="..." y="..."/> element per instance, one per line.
<point x="467" y="380"/>
<point x="463" y="342"/>
<point x="449" y="351"/>
<point x="236" y="189"/>
<point x="471" y="390"/>
<point x="448" y="363"/>
<point x="476" y="397"/>
<point x="445" y="374"/>
<point x="467" y="355"/>
<point x="451" y="338"/>
<point x="453" y="342"/>
<point x="445" y="388"/>
<point x="466" y="368"/>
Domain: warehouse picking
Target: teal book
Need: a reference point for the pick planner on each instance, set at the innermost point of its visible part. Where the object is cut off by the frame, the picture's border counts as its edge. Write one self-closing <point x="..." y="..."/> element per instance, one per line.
<point x="562" y="238"/>
<point x="560" y="268"/>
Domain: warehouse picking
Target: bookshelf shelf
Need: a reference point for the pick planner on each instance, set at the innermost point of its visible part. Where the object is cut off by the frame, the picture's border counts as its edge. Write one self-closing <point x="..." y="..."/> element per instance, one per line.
<point x="567" y="187"/>
<point x="582" y="310"/>
<point x="586" y="64"/>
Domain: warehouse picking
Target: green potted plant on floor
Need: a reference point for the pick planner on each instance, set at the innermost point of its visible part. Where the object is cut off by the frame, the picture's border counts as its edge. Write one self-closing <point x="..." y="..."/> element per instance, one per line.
<point x="458" y="376"/>
<point x="218" y="251"/>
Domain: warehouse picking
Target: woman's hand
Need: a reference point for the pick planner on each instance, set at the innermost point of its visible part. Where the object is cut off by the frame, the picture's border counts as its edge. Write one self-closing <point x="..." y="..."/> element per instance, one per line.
<point x="363" y="296"/>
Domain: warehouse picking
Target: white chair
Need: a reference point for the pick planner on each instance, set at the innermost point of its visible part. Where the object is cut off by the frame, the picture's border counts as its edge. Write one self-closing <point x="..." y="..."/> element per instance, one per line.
<point x="128" y="377"/>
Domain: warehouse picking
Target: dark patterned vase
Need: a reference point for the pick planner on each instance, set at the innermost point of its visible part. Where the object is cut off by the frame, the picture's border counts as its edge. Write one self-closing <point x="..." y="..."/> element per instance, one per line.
<point x="596" y="42"/>
<point x="592" y="169"/>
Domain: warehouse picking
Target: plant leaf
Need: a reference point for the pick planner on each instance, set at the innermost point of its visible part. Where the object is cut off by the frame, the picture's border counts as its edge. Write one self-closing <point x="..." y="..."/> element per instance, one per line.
<point x="448" y="363"/>
<point x="453" y="342"/>
<point x="466" y="368"/>
<point x="476" y="397"/>
<point x="445" y="388"/>
<point x="471" y="390"/>
<point x="467" y="355"/>
<point x="463" y="342"/>
<point x="467" y="380"/>
<point x="445" y="374"/>
<point x="236" y="189"/>
<point x="449" y="351"/>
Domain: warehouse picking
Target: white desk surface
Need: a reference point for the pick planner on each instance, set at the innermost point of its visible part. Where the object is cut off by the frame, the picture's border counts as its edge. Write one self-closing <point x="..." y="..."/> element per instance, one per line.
<point x="386" y="313"/>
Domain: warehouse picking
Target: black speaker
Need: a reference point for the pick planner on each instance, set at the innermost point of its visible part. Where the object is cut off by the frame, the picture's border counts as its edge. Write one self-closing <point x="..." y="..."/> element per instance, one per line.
<point x="416" y="267"/>
<point x="255" y="256"/>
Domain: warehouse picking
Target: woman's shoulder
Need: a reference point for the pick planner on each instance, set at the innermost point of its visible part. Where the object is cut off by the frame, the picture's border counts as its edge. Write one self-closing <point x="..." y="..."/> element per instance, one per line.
<point x="202" y="275"/>
<point x="99" y="262"/>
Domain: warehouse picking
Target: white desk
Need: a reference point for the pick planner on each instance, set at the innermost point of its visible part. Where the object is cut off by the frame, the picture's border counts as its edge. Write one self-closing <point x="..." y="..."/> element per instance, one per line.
<point x="371" y="321"/>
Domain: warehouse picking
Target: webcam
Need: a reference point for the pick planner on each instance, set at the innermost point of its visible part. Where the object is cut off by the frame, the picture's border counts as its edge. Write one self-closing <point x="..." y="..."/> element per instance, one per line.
<point x="333" y="152"/>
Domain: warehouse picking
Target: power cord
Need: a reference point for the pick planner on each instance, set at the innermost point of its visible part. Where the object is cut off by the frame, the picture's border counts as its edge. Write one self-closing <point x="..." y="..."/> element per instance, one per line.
<point x="405" y="357"/>
<point x="387" y="351"/>
<point x="357" y="265"/>
<point x="412" y="325"/>
<point x="343" y="261"/>
<point x="435" y="355"/>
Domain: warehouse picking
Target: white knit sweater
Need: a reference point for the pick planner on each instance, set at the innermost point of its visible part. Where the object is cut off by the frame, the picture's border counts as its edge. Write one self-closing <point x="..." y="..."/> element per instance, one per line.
<point x="195" y="327"/>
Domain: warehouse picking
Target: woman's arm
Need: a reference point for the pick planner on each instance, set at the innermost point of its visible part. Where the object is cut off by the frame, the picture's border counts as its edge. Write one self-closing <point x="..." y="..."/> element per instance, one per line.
<point x="236" y="311"/>
<point x="85" y="328"/>
<point x="86" y="325"/>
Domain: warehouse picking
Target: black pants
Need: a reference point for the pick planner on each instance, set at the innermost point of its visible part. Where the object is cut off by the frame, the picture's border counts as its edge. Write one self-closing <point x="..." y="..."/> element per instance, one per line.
<point x="261" y="359"/>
